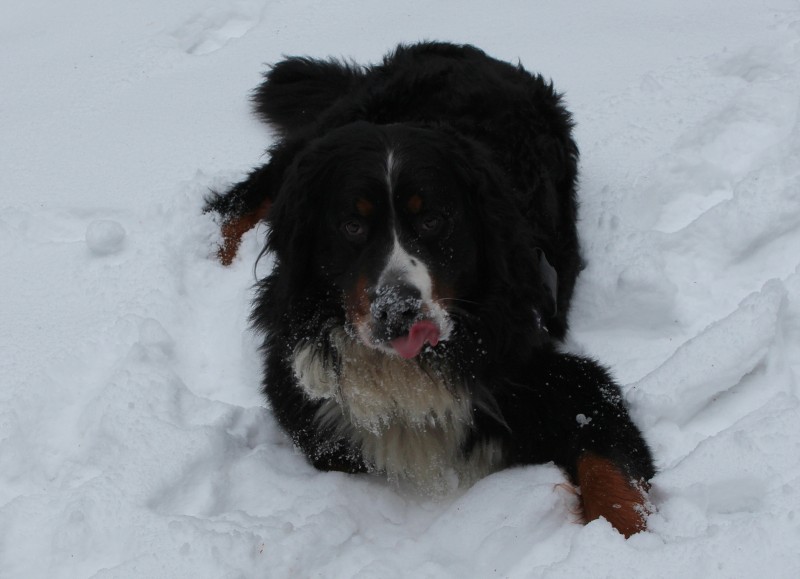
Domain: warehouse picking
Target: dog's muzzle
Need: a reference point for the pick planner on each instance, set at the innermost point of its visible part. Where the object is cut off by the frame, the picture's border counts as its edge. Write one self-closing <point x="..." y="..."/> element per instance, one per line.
<point x="400" y="320"/>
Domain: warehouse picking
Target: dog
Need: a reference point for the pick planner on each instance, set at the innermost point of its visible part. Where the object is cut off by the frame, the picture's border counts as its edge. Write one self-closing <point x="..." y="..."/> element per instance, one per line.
<point x="422" y="217"/>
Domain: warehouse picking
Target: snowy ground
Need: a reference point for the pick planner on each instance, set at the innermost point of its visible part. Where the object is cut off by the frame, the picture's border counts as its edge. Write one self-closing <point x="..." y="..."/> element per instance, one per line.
<point x="133" y="441"/>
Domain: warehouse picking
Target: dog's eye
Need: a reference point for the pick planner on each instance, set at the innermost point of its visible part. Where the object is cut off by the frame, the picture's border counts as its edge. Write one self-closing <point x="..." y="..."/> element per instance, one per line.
<point x="354" y="230"/>
<point x="430" y="224"/>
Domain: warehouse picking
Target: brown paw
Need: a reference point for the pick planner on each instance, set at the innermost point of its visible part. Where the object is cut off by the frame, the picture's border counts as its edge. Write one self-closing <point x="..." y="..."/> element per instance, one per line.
<point x="606" y="491"/>
<point x="234" y="228"/>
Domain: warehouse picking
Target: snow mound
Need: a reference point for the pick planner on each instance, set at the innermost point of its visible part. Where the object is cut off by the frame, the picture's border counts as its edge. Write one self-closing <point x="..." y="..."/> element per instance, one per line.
<point x="105" y="237"/>
<point x="716" y="360"/>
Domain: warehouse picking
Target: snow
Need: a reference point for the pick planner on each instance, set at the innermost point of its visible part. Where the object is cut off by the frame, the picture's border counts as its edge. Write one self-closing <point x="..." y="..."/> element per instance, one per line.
<point x="105" y="236"/>
<point x="133" y="439"/>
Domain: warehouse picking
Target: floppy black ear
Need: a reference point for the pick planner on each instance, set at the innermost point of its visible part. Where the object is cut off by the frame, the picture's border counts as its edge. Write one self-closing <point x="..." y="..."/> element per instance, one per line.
<point x="549" y="280"/>
<point x="293" y="220"/>
<point x="519" y="284"/>
<point x="296" y="91"/>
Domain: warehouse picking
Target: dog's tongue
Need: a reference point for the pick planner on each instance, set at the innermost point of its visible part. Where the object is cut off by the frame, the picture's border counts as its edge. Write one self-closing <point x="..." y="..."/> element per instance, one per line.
<point x="410" y="345"/>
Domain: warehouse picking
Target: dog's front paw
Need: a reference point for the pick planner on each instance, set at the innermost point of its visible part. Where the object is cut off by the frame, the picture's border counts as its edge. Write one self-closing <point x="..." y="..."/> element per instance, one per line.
<point x="606" y="491"/>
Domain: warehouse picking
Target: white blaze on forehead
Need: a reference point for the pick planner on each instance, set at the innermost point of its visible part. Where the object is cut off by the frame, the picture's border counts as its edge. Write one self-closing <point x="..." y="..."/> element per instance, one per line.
<point x="402" y="267"/>
<point x="391" y="171"/>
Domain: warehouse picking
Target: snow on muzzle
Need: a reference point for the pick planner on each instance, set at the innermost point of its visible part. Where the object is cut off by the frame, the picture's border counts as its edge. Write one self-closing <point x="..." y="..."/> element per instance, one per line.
<point x="400" y="319"/>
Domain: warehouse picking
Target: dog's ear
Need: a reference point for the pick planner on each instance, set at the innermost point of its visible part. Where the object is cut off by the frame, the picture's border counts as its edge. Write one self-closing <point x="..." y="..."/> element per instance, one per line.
<point x="549" y="279"/>
<point x="293" y="219"/>
<point x="296" y="91"/>
<point x="519" y="283"/>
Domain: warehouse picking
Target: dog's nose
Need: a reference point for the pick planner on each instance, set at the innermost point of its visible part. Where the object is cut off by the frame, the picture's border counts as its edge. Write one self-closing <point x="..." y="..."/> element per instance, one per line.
<point x="394" y="309"/>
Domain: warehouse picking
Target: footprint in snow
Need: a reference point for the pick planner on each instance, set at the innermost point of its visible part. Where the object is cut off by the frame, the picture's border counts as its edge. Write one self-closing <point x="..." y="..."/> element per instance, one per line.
<point x="757" y="64"/>
<point x="214" y="28"/>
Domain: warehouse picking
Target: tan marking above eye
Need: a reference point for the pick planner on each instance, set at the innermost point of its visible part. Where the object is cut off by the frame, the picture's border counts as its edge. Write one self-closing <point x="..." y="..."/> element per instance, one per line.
<point x="414" y="204"/>
<point x="364" y="207"/>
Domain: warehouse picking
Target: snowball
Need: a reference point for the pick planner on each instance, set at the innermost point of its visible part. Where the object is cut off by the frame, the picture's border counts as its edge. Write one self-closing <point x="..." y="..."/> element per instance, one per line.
<point x="105" y="237"/>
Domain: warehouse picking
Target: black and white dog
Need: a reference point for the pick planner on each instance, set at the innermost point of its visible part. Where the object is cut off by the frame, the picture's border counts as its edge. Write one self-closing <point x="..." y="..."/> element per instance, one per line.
<point x="422" y="215"/>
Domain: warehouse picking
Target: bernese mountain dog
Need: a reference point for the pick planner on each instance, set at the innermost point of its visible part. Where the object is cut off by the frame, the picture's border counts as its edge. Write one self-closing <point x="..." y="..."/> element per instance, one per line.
<point x="422" y="217"/>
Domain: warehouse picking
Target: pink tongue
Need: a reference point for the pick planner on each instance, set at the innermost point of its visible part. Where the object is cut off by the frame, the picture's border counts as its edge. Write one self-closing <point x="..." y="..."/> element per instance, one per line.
<point x="421" y="332"/>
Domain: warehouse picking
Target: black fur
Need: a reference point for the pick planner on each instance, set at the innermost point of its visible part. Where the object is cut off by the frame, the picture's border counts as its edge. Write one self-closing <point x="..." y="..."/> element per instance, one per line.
<point x="504" y="140"/>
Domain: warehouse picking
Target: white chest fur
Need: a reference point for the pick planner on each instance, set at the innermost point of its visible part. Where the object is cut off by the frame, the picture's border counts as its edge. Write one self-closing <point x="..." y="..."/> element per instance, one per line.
<point x="409" y="421"/>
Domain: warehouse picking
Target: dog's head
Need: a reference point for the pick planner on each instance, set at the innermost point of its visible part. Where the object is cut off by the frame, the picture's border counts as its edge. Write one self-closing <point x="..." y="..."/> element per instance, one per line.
<point x="387" y="222"/>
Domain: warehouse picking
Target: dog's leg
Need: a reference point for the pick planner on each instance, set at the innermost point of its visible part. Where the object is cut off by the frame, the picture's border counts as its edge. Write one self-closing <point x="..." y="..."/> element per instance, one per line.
<point x="241" y="208"/>
<point x="607" y="491"/>
<point x="607" y="458"/>
<point x="234" y="228"/>
<point x="571" y="412"/>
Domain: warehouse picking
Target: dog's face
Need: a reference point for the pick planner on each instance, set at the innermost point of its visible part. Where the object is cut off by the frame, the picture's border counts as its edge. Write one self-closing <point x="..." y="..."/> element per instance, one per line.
<point x="397" y="239"/>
